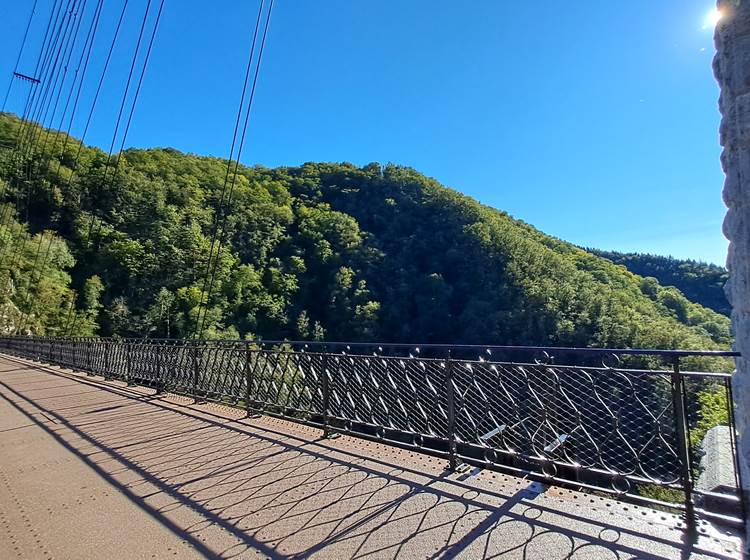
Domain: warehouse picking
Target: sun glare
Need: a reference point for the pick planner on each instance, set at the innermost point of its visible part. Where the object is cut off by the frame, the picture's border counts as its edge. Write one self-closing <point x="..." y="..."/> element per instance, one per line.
<point x="712" y="18"/>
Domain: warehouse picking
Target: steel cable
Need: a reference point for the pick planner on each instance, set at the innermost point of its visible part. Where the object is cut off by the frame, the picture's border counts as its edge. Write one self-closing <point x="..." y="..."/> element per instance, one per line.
<point x="225" y="201"/>
<point x="20" y="53"/>
<point x="104" y="185"/>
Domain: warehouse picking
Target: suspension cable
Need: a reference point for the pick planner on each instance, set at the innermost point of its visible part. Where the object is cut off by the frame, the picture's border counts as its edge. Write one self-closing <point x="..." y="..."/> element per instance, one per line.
<point x="223" y="209"/>
<point x="40" y="104"/>
<point x="88" y="46"/>
<point x="89" y="118"/>
<point x="20" y="53"/>
<point x="127" y="89"/>
<point x="53" y="17"/>
<point x="36" y="259"/>
<point x="43" y="76"/>
<point x="218" y="211"/>
<point x="31" y="281"/>
<point x="104" y="184"/>
<point x="139" y="85"/>
<point x="52" y="25"/>
<point x="63" y="78"/>
<point x="10" y="153"/>
<point x="54" y="84"/>
<point x="98" y="92"/>
<point x="131" y="112"/>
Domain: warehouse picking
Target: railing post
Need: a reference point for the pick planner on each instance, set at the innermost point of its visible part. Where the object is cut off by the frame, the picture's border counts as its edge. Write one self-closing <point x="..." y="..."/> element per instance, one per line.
<point x="326" y="391"/>
<point x="88" y="356"/>
<point x="247" y="379"/>
<point x="127" y="361"/>
<point x="159" y="387"/>
<point x="106" y="359"/>
<point x="249" y="412"/>
<point x="683" y="448"/>
<point x="741" y="493"/>
<point x="196" y="369"/>
<point x="450" y="389"/>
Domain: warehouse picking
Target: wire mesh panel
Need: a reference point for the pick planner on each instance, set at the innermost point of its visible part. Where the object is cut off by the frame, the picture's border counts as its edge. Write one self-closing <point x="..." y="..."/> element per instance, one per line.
<point x="66" y="353"/>
<point x="285" y="382"/>
<point x="145" y="363"/>
<point x="605" y="424"/>
<point x="44" y="349"/>
<point x="79" y="355"/>
<point x="119" y="360"/>
<point x="220" y="372"/>
<point x="98" y="357"/>
<point x="180" y="359"/>
<point x="403" y="394"/>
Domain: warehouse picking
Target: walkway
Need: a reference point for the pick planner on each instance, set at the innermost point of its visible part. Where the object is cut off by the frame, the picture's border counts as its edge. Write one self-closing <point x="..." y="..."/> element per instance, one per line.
<point x="95" y="469"/>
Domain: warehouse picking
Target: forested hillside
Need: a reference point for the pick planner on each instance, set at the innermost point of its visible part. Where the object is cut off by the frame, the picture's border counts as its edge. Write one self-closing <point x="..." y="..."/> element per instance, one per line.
<point x="701" y="282"/>
<point x="318" y="251"/>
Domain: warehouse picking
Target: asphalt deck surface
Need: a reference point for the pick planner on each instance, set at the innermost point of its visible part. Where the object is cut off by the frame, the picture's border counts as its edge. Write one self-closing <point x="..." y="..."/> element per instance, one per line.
<point x="95" y="469"/>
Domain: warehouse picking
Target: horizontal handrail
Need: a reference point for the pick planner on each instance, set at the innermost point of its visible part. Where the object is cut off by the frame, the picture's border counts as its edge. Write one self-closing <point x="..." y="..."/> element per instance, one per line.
<point x="670" y="353"/>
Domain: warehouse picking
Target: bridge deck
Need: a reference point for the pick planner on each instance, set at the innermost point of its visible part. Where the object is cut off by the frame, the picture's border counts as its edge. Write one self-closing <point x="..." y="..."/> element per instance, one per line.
<point x="94" y="469"/>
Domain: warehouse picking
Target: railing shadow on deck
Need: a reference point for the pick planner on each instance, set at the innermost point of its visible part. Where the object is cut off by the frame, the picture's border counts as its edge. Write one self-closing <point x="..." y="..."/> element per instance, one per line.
<point x="278" y="494"/>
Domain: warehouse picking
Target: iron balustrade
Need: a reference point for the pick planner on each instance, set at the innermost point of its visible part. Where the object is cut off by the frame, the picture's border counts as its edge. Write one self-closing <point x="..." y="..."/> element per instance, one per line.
<point x="624" y="422"/>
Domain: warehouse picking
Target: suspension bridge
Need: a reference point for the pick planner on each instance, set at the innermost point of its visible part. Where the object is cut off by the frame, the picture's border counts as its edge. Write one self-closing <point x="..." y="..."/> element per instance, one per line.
<point x="94" y="466"/>
<point x="552" y="429"/>
<point x="282" y="449"/>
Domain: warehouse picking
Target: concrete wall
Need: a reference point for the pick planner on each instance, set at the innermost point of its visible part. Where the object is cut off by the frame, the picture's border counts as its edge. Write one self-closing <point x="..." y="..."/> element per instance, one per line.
<point x="732" y="70"/>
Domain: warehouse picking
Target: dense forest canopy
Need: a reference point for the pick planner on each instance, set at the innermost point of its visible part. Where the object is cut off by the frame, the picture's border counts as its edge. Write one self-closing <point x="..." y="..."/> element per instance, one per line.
<point x="700" y="282"/>
<point x="322" y="250"/>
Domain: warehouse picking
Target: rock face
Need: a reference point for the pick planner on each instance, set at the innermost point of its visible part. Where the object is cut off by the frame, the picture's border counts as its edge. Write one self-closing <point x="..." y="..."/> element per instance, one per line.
<point x="717" y="469"/>
<point x="732" y="70"/>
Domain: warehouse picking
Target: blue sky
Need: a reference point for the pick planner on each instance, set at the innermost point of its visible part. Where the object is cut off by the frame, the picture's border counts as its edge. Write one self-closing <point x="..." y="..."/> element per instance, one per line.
<point x="596" y="125"/>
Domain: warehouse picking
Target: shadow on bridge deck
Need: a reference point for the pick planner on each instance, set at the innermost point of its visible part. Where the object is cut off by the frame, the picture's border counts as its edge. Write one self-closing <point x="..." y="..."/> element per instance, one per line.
<point x="94" y="469"/>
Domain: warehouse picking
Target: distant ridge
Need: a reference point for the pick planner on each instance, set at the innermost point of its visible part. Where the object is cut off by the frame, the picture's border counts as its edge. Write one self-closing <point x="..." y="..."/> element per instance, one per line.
<point x="701" y="282"/>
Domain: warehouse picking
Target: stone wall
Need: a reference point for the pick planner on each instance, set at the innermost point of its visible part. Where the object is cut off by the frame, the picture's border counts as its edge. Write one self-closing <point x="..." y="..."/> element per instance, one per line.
<point x="732" y="70"/>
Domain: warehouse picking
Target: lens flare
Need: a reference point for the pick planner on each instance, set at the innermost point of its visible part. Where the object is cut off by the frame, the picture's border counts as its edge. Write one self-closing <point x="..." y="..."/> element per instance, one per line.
<point x="712" y="18"/>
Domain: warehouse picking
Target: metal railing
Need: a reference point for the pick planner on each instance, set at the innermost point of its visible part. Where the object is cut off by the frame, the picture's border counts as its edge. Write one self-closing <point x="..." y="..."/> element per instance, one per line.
<point x="624" y="422"/>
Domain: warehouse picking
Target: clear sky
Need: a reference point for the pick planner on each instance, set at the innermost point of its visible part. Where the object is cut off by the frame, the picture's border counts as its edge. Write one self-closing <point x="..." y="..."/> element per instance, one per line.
<point x="594" y="121"/>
